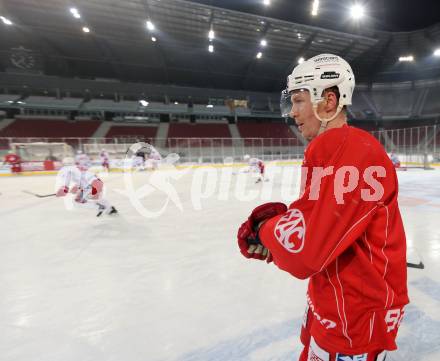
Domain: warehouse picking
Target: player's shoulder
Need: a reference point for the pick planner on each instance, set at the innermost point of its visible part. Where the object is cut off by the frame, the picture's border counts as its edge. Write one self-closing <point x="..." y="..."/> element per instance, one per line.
<point x="346" y="134"/>
<point x="346" y="139"/>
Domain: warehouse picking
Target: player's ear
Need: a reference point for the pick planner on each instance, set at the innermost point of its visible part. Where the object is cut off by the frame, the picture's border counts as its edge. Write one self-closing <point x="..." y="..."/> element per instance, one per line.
<point x="331" y="101"/>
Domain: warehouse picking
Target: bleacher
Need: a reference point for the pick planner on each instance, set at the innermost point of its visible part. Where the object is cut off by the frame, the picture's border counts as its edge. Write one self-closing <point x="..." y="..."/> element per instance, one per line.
<point x="199" y="130"/>
<point x="394" y="102"/>
<point x="266" y="131"/>
<point x="145" y="133"/>
<point x="60" y="130"/>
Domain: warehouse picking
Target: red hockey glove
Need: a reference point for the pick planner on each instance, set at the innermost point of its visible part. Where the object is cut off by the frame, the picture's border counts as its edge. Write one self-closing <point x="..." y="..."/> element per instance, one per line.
<point x="62" y="191"/>
<point x="97" y="186"/>
<point x="248" y="240"/>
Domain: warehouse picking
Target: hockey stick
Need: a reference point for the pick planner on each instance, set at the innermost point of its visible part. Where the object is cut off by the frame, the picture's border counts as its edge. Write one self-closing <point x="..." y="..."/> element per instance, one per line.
<point x="419" y="265"/>
<point x="40" y="195"/>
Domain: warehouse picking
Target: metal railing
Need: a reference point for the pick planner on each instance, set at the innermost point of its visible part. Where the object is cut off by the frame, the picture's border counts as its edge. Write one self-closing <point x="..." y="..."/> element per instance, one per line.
<point x="411" y="144"/>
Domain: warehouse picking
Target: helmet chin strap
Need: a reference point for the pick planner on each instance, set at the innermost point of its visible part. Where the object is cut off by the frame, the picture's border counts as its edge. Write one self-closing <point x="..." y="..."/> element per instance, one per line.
<point x="324" y="122"/>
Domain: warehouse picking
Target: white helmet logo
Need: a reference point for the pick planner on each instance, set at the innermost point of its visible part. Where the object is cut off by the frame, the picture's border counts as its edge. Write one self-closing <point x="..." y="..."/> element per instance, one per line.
<point x="291" y="223"/>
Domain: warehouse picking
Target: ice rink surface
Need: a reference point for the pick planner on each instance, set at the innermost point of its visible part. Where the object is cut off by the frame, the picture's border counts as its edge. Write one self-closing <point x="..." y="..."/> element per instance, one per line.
<point x="74" y="287"/>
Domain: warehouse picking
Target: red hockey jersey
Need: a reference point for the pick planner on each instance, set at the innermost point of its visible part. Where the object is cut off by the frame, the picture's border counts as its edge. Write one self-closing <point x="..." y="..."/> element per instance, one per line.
<point x="345" y="234"/>
<point x="12" y="159"/>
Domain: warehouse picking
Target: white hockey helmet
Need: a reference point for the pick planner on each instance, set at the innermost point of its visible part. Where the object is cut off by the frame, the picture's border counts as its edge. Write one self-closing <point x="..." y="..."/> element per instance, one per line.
<point x="316" y="75"/>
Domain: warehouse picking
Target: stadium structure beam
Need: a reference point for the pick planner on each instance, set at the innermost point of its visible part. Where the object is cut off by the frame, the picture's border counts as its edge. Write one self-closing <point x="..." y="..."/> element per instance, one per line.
<point x="109" y="55"/>
<point x="302" y="51"/>
<point x="377" y="66"/>
<point x="345" y="52"/>
<point x="252" y="63"/>
<point x="157" y="47"/>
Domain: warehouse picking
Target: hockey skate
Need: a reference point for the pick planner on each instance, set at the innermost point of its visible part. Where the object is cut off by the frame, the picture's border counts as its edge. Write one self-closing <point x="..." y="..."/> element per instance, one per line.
<point x="102" y="209"/>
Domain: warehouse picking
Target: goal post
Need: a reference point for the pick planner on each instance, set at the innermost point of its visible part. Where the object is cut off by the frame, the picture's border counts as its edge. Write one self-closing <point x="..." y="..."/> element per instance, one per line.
<point x="41" y="151"/>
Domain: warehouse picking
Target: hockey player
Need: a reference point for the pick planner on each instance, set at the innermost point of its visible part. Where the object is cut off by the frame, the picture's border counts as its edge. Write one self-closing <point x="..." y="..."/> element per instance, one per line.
<point x="155" y="159"/>
<point x="395" y="160"/>
<point x="255" y="165"/>
<point x="82" y="161"/>
<point x="14" y="161"/>
<point x="105" y="159"/>
<point x="345" y="232"/>
<point x="88" y="189"/>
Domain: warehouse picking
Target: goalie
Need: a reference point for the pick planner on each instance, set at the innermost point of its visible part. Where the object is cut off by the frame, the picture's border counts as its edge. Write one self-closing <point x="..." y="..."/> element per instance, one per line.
<point x="87" y="188"/>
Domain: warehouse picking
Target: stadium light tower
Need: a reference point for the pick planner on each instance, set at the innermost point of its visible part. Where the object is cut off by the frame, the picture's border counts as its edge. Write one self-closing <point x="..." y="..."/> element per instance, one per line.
<point x="315" y="7"/>
<point x="357" y="11"/>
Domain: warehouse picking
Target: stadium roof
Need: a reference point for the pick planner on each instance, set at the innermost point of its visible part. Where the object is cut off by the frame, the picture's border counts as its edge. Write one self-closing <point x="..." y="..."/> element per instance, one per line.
<point x="388" y="15"/>
<point x="46" y="37"/>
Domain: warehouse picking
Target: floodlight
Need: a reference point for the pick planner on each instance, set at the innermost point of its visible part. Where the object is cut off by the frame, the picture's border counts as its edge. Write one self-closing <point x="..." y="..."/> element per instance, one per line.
<point x="357" y="11"/>
<point x="150" y="25"/>
<point x="6" y="21"/>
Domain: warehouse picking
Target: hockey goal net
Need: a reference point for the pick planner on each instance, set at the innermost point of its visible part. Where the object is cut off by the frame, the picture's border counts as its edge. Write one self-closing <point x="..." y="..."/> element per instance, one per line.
<point x="41" y="151"/>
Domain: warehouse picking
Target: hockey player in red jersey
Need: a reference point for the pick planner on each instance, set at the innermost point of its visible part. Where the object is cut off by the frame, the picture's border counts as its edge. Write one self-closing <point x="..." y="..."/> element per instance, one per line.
<point x="14" y="161"/>
<point x="105" y="159"/>
<point x="345" y="232"/>
<point x="256" y="165"/>
<point x="86" y="186"/>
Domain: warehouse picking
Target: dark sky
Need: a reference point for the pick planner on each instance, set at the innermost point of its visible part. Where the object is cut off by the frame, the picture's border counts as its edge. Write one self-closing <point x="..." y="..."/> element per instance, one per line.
<point x="391" y="15"/>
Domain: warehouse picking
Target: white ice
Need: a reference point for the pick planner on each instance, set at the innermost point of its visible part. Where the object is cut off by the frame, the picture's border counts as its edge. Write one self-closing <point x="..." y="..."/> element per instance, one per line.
<point x="74" y="287"/>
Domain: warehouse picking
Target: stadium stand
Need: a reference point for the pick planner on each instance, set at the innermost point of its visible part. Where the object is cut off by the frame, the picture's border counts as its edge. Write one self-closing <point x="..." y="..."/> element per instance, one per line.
<point x="432" y="103"/>
<point x="266" y="131"/>
<point x="395" y="102"/>
<point x="56" y="129"/>
<point x="195" y="130"/>
<point x="48" y="102"/>
<point x="147" y="133"/>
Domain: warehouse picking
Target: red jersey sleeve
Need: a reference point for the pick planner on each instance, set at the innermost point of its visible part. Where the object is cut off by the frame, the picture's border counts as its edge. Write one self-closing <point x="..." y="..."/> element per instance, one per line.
<point x="346" y="178"/>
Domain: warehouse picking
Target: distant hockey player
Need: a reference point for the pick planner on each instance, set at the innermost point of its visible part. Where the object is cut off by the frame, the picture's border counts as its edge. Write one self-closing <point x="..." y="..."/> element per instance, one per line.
<point x="82" y="161"/>
<point x="86" y="186"/>
<point x="154" y="158"/>
<point x="395" y="160"/>
<point x="105" y="159"/>
<point x="139" y="160"/>
<point x="14" y="162"/>
<point x="255" y="165"/>
<point x="344" y="233"/>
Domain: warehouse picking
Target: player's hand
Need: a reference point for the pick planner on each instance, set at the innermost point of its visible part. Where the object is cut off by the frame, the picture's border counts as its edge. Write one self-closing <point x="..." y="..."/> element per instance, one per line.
<point x="62" y="191"/>
<point x="97" y="187"/>
<point x="247" y="237"/>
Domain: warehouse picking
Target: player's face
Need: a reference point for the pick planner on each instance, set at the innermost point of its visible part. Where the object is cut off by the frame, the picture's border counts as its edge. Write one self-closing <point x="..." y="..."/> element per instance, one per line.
<point x="303" y="114"/>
